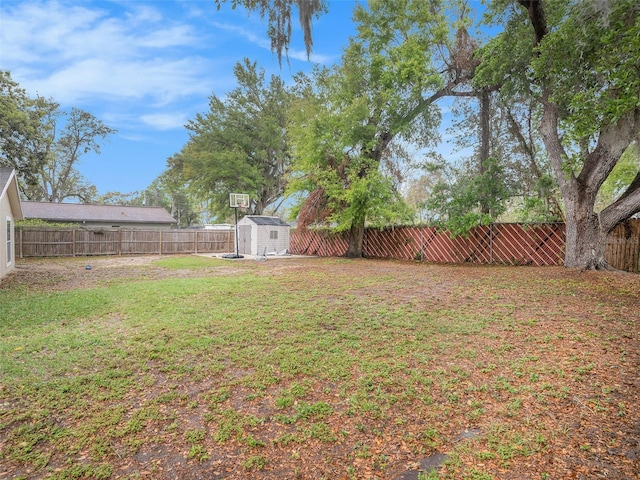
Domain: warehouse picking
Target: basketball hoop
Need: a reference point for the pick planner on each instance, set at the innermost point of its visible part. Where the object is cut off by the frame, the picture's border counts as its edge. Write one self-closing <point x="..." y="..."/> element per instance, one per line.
<point x="238" y="200"/>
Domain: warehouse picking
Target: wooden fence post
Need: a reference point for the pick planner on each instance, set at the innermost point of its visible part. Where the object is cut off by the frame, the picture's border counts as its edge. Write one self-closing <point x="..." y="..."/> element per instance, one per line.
<point x="491" y="243"/>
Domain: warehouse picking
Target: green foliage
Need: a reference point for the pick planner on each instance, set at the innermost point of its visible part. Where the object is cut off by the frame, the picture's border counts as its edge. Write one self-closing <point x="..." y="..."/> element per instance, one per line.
<point x="44" y="143"/>
<point x="68" y="136"/>
<point x="36" y="222"/>
<point x="587" y="62"/>
<point x="350" y="120"/>
<point x="620" y="177"/>
<point x="164" y="191"/>
<point x="601" y="42"/>
<point x="255" y="462"/>
<point x="470" y="200"/>
<point x="579" y="62"/>
<point x="239" y="146"/>
<point x="23" y="143"/>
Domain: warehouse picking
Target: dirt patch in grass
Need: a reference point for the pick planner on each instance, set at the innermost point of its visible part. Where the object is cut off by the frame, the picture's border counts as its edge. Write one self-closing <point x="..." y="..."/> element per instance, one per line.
<point x="317" y="368"/>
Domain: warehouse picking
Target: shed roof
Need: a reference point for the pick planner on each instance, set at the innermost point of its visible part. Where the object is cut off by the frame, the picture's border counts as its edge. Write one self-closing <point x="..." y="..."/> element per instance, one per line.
<point x="78" y="212"/>
<point x="262" y="220"/>
<point x="9" y="187"/>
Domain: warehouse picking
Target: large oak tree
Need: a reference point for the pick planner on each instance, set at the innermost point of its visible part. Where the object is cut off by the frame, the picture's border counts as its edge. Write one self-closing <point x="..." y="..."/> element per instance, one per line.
<point x="69" y="136"/>
<point x="23" y="143"/>
<point x="582" y="60"/>
<point x="383" y="95"/>
<point x="239" y="145"/>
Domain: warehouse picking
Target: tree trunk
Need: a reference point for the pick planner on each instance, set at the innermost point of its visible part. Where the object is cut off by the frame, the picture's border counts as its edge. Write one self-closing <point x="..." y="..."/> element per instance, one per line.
<point x="356" y="236"/>
<point x="485" y="140"/>
<point x="586" y="231"/>
<point x="586" y="237"/>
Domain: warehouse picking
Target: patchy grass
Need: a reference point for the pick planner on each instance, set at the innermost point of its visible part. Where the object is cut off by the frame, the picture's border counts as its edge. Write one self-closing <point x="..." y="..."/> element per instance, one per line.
<point x="189" y="366"/>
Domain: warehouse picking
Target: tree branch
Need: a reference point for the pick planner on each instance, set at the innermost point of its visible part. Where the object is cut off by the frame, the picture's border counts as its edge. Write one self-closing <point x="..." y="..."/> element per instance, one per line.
<point x="612" y="142"/>
<point x="623" y="208"/>
<point x="553" y="145"/>
<point x="537" y="16"/>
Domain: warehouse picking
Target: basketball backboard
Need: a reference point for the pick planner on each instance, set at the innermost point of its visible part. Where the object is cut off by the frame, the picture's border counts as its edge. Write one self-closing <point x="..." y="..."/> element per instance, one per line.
<point x="238" y="200"/>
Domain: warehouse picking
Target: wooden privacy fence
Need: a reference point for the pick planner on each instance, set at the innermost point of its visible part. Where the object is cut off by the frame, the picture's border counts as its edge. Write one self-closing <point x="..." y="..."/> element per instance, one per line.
<point x="623" y="248"/>
<point x="505" y="243"/>
<point x="54" y="242"/>
<point x="499" y="243"/>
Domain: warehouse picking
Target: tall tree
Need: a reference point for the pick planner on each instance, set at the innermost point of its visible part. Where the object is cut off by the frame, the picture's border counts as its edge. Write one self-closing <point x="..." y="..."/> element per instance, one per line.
<point x="582" y="58"/>
<point x="384" y="93"/>
<point x="69" y="137"/>
<point x="503" y="142"/>
<point x="23" y="143"/>
<point x="338" y="181"/>
<point x="240" y="145"/>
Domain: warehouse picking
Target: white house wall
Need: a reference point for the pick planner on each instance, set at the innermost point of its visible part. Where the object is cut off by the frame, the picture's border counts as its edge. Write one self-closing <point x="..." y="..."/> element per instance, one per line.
<point x="6" y="215"/>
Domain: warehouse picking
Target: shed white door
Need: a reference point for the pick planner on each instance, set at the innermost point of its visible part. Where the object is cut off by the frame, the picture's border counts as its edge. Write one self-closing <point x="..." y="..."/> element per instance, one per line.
<point x="244" y="239"/>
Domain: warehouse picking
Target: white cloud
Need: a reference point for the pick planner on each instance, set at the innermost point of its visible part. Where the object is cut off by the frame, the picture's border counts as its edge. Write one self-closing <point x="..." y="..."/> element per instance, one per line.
<point x="158" y="81"/>
<point x="82" y="54"/>
<point x="165" y="121"/>
<point x="130" y="63"/>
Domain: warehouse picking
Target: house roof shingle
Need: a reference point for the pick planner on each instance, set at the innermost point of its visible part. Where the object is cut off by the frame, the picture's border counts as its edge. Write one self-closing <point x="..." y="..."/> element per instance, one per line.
<point x="77" y="212"/>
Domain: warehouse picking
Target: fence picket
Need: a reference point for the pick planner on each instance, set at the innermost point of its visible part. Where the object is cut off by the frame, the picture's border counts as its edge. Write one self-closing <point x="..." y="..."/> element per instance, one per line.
<point x="53" y="242"/>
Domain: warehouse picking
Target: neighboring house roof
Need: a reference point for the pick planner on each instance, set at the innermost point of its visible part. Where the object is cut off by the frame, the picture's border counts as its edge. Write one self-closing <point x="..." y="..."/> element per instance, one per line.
<point x="78" y="212"/>
<point x="260" y="220"/>
<point x="9" y="187"/>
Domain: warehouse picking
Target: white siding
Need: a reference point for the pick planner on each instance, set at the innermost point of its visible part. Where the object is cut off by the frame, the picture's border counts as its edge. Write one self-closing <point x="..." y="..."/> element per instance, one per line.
<point x="6" y="218"/>
<point x="266" y="238"/>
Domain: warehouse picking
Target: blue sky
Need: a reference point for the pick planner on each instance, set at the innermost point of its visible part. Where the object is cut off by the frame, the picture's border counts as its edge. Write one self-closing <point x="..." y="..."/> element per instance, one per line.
<point x="145" y="67"/>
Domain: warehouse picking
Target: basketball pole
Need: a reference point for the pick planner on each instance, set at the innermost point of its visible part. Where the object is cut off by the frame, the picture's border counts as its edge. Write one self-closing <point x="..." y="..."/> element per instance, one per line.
<point x="233" y="203"/>
<point x="237" y="244"/>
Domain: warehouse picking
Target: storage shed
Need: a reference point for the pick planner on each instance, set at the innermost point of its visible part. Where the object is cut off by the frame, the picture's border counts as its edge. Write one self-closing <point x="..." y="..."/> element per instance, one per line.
<point x="261" y="235"/>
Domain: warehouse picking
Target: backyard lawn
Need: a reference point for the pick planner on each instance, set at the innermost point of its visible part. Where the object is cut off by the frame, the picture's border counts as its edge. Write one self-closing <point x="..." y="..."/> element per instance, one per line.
<point x="192" y="367"/>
